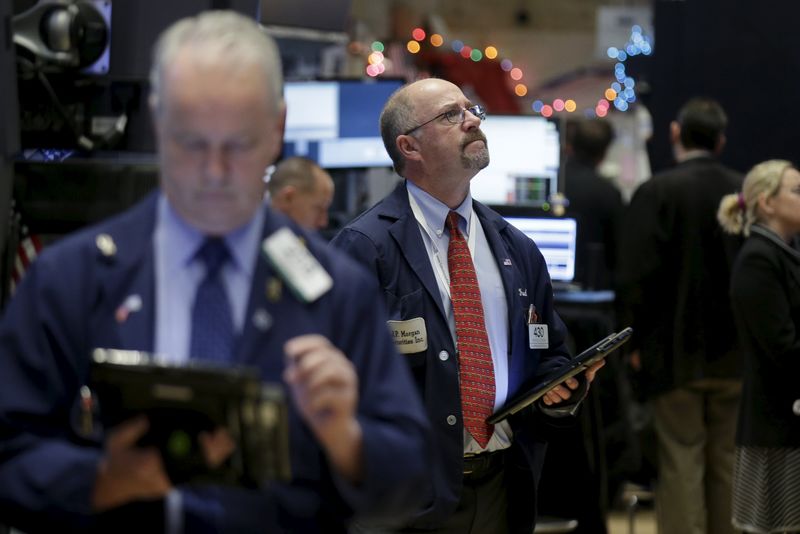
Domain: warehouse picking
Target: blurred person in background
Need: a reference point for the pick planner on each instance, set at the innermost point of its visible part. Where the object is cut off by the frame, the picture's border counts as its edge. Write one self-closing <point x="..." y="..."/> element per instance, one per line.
<point x="181" y="274"/>
<point x="765" y="295"/>
<point x="301" y="190"/>
<point x="674" y="273"/>
<point x="595" y="201"/>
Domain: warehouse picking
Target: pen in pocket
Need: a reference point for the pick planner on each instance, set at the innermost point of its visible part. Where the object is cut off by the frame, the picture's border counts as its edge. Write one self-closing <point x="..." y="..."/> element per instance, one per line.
<point x="532" y="318"/>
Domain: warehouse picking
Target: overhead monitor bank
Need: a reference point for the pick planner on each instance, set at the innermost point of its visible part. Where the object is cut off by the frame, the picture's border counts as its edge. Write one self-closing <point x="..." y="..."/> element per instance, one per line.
<point x="335" y="123"/>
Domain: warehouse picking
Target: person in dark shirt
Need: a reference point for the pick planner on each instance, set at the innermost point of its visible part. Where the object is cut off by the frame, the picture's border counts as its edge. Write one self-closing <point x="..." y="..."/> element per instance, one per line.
<point x="674" y="277"/>
<point x="594" y="200"/>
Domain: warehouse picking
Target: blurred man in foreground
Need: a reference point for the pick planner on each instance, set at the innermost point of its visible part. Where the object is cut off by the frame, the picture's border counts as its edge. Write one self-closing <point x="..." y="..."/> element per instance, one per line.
<point x="181" y="274"/>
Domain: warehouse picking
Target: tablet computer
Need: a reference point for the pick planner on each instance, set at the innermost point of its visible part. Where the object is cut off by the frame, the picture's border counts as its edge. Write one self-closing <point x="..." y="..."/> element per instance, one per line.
<point x="576" y="365"/>
<point x="181" y="401"/>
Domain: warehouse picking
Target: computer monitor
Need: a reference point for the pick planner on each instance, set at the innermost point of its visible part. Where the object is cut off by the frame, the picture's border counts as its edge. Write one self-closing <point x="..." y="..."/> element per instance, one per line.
<point x="525" y="154"/>
<point x="556" y="239"/>
<point x="335" y="123"/>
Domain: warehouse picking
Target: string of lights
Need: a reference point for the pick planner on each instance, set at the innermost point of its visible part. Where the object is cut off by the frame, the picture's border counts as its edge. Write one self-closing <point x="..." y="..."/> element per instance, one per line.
<point x="620" y="93"/>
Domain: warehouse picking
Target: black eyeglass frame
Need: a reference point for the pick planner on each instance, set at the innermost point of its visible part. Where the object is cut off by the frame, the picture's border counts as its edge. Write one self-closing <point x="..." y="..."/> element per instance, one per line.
<point x="453" y="116"/>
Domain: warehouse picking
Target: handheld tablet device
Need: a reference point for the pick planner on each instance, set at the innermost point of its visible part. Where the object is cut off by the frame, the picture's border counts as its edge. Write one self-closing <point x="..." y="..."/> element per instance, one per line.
<point x="576" y="365"/>
<point x="182" y="401"/>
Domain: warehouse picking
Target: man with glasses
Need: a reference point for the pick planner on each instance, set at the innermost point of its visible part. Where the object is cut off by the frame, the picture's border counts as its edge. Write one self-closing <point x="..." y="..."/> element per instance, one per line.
<point x="463" y="287"/>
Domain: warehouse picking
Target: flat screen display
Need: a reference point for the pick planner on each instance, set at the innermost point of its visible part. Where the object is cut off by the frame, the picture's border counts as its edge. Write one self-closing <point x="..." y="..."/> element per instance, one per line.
<point x="556" y="239"/>
<point x="335" y="123"/>
<point x="525" y="153"/>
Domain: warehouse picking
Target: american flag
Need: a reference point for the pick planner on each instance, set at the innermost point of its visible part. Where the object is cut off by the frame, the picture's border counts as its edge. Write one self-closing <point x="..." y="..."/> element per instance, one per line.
<point x="28" y="248"/>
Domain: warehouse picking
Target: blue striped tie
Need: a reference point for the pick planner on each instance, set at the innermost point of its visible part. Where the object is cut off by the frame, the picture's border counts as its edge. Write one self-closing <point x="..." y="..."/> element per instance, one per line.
<point x="212" y="323"/>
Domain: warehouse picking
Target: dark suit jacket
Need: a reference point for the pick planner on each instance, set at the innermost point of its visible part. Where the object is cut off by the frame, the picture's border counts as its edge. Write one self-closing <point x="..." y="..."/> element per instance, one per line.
<point x="65" y="307"/>
<point x="387" y="239"/>
<point x="674" y="274"/>
<point x="597" y="205"/>
<point x="765" y="294"/>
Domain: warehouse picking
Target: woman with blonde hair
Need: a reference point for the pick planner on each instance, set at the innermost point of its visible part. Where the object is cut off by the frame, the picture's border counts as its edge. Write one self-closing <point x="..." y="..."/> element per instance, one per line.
<point x="765" y="297"/>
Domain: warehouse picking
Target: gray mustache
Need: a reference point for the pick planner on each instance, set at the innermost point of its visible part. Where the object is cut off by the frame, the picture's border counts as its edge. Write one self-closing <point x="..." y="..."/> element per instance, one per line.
<point x="477" y="137"/>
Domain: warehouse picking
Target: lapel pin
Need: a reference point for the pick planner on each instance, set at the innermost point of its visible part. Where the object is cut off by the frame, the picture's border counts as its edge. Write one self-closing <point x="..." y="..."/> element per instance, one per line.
<point x="262" y="320"/>
<point x="507" y="261"/>
<point x="523" y="292"/>
<point x="131" y="304"/>
<point x="105" y="243"/>
<point x="274" y="289"/>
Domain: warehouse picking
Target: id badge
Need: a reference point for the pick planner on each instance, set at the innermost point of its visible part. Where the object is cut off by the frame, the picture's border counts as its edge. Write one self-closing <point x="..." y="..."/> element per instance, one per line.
<point x="296" y="265"/>
<point x="409" y="336"/>
<point x="538" y="337"/>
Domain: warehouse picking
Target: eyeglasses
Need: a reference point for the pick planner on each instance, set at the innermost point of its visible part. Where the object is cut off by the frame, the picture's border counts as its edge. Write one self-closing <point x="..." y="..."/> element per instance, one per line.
<point x="454" y="116"/>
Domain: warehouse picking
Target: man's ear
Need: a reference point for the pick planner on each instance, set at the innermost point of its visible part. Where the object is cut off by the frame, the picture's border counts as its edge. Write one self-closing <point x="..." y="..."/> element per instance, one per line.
<point x="721" y="140"/>
<point x="154" y="105"/>
<point x="765" y="204"/>
<point x="282" y="119"/>
<point x="289" y="193"/>
<point x="283" y="197"/>
<point x="277" y="135"/>
<point x="408" y="147"/>
<point x="674" y="132"/>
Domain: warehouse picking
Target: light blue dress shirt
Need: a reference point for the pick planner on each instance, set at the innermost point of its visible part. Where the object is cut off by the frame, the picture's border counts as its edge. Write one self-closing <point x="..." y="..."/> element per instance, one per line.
<point x="178" y="273"/>
<point x="493" y="297"/>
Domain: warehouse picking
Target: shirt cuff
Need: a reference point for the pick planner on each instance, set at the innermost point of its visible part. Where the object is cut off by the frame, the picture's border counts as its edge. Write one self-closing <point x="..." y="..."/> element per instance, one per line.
<point x="173" y="513"/>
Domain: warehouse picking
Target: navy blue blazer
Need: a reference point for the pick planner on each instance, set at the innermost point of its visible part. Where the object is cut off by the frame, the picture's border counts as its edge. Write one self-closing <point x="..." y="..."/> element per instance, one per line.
<point x="65" y="307"/>
<point x="387" y="239"/>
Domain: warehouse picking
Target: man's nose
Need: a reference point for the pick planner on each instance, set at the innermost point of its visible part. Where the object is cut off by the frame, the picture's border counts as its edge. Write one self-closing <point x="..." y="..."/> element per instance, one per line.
<point x="471" y="121"/>
<point x="216" y="162"/>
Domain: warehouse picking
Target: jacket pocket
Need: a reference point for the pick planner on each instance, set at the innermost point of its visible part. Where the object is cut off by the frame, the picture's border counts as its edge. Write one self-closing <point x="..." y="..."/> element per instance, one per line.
<point x="403" y="307"/>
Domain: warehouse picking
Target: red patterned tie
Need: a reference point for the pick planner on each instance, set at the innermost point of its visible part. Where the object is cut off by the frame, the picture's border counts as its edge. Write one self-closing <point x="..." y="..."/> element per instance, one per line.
<point x="475" y="358"/>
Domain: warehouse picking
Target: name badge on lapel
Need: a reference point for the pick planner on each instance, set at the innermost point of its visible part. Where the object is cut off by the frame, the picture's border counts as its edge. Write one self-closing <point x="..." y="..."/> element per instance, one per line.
<point x="409" y="336"/>
<point x="538" y="336"/>
<point x="299" y="269"/>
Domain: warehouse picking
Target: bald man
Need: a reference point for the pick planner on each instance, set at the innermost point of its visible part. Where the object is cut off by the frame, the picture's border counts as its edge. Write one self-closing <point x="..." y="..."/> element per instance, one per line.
<point x="302" y="190"/>
<point x="462" y="315"/>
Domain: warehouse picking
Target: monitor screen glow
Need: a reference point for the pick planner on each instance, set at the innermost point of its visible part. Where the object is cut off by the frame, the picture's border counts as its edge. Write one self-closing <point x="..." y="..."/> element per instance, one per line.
<point x="556" y="239"/>
<point x="525" y="153"/>
<point x="335" y="123"/>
